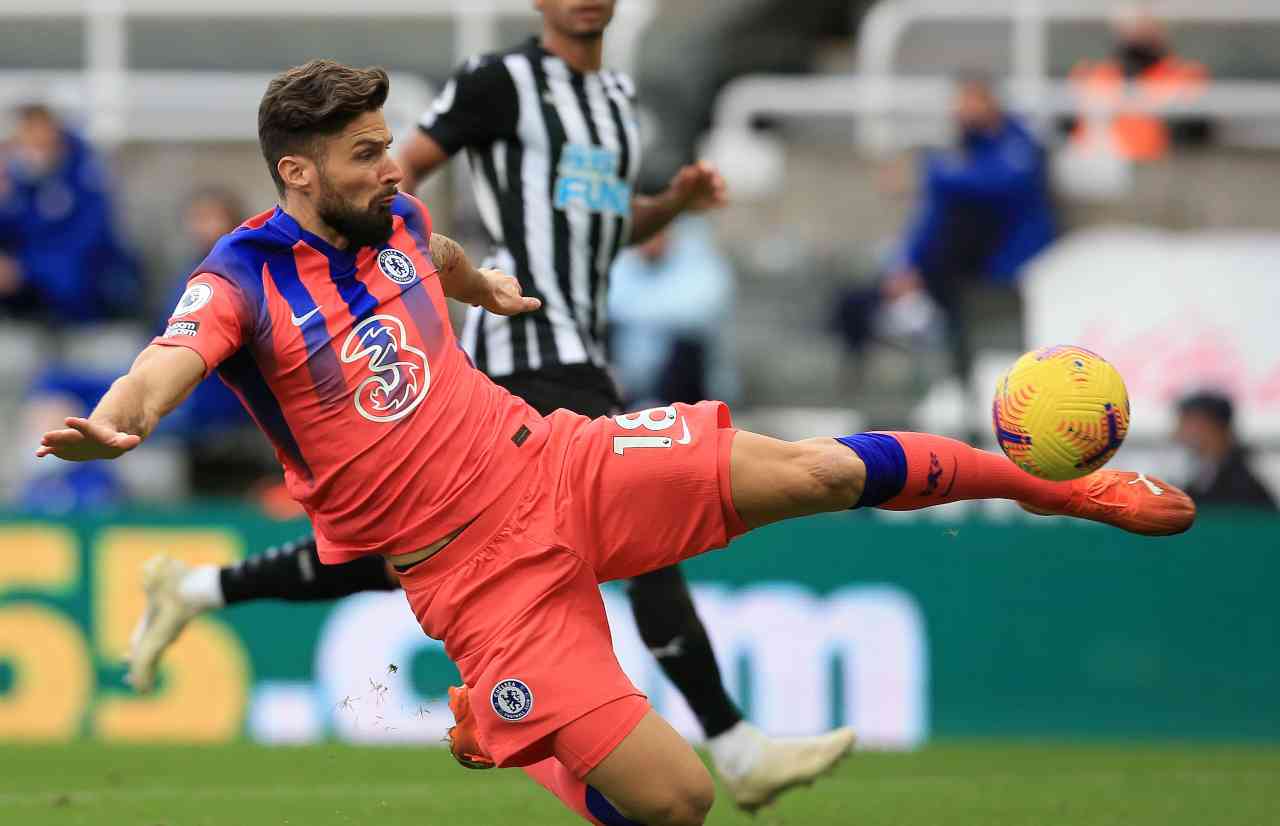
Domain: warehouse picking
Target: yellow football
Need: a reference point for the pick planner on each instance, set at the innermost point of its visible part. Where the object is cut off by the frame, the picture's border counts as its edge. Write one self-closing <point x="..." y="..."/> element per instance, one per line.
<point x="1060" y="412"/>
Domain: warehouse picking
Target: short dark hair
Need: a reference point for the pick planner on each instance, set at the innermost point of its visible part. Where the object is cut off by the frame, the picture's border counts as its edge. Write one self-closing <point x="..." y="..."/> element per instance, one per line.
<point x="309" y="102"/>
<point x="976" y="78"/>
<point x="224" y="197"/>
<point x="34" y="110"/>
<point x="1216" y="406"/>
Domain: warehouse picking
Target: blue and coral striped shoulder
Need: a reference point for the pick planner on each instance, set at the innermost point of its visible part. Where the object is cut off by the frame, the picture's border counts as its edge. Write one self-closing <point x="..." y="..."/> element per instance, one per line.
<point x="239" y="256"/>
<point x="417" y="219"/>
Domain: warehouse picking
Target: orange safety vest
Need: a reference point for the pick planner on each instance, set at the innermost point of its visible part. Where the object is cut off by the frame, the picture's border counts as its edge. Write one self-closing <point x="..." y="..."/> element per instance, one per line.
<point x="1135" y="134"/>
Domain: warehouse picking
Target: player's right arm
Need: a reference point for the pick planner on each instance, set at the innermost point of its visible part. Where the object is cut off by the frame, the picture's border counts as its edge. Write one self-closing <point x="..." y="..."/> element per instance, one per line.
<point x="479" y="105"/>
<point x="159" y="380"/>
<point x="210" y="323"/>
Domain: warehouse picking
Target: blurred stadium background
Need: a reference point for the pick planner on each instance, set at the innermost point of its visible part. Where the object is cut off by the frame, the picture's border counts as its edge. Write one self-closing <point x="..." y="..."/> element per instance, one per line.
<point x="844" y="288"/>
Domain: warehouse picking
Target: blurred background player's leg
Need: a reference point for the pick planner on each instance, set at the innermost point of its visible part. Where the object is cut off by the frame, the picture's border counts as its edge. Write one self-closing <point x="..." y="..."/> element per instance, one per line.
<point x="755" y="767"/>
<point x="177" y="592"/>
<point x="673" y="633"/>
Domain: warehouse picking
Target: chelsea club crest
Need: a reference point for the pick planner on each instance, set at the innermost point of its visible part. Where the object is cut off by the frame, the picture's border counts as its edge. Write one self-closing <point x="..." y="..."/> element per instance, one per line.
<point x="512" y="700"/>
<point x="397" y="266"/>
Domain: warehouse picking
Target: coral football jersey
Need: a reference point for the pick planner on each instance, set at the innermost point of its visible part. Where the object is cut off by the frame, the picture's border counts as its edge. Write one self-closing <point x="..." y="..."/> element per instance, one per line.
<point x="389" y="437"/>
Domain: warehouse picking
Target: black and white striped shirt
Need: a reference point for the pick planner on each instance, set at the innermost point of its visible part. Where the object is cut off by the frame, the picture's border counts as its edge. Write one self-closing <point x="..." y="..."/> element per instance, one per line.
<point x="554" y="156"/>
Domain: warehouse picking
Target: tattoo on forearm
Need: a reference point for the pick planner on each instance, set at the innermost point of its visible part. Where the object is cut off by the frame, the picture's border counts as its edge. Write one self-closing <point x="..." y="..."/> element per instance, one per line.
<point x="444" y="252"/>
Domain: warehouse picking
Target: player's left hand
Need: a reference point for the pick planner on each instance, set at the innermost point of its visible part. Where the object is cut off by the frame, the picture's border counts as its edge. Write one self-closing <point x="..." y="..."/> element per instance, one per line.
<point x="698" y="187"/>
<point x="82" y="441"/>
<point x="504" y="297"/>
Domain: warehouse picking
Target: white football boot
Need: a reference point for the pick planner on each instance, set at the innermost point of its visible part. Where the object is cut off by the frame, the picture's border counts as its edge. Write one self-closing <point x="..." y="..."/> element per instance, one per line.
<point x="756" y="768"/>
<point x="170" y="606"/>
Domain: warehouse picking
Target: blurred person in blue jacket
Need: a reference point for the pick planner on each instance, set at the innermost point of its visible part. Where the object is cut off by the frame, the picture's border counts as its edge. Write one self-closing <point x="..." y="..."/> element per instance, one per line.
<point x="61" y="258"/>
<point x="210" y="213"/>
<point x="985" y="212"/>
<point x="60" y="391"/>
<point x="670" y="310"/>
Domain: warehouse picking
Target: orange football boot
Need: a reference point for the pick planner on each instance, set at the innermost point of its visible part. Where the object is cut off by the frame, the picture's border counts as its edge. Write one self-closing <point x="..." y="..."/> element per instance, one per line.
<point x="464" y="742"/>
<point x="1128" y="500"/>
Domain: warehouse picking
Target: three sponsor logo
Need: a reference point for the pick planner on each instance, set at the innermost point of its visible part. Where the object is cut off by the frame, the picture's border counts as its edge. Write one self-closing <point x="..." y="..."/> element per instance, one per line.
<point x="400" y="375"/>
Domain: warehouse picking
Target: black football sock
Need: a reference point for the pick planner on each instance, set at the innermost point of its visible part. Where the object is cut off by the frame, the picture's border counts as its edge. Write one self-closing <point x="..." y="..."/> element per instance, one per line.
<point x="670" y="628"/>
<point x="293" y="572"/>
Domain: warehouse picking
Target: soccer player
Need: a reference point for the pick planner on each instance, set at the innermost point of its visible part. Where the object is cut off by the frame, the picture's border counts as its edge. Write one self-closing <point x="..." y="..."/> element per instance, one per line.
<point x="554" y="152"/>
<point x="327" y="316"/>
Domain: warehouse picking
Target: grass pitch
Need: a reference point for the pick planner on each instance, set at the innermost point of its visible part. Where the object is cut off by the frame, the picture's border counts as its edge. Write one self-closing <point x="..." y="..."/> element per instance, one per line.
<point x="956" y="784"/>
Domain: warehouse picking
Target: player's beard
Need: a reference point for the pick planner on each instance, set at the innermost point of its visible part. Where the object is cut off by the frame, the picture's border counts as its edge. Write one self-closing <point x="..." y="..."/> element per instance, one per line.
<point x="368" y="226"/>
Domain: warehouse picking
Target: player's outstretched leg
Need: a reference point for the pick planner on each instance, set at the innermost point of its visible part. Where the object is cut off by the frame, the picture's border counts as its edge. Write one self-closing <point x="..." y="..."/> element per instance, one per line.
<point x="774" y="480"/>
<point x="178" y="592"/>
<point x="755" y="768"/>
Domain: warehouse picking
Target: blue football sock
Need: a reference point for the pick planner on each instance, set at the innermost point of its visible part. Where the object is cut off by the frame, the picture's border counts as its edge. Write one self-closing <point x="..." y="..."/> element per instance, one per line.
<point x="602" y="810"/>
<point x="886" y="463"/>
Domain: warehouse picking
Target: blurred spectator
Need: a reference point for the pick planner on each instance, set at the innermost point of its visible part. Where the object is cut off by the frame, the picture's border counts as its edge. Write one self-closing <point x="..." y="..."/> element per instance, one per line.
<point x="1220" y="468"/>
<point x="209" y="214"/>
<point x="61" y="259"/>
<point x="210" y="412"/>
<point x="985" y="212"/>
<point x="1115" y="93"/>
<point x="670" y="310"/>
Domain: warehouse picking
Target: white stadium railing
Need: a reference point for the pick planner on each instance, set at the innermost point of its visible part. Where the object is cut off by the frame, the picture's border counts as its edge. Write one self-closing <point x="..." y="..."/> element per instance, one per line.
<point x="878" y="102"/>
<point x="120" y="104"/>
<point x="887" y="22"/>
<point x="880" y="98"/>
<point x="179" y="106"/>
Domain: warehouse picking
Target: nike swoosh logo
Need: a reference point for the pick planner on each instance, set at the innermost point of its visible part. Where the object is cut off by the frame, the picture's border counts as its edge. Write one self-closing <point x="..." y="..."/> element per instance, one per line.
<point x="686" y="438"/>
<point x="675" y="648"/>
<point x="298" y="321"/>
